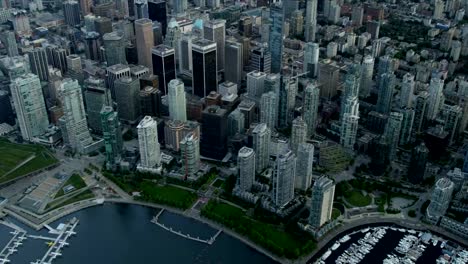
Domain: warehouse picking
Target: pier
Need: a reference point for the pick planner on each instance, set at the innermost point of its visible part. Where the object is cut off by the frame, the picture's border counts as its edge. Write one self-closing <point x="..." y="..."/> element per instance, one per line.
<point x="56" y="244"/>
<point x="13" y="244"/>
<point x="209" y="241"/>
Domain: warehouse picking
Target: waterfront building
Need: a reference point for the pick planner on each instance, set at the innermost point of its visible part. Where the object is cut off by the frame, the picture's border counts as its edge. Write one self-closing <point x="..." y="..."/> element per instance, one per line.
<point x="321" y="204"/>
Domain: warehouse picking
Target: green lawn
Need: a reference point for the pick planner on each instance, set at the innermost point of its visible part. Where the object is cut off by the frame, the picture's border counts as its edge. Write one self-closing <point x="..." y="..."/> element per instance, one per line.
<point x="168" y="195"/>
<point x="82" y="196"/>
<point x="335" y="213"/>
<point x="75" y="180"/>
<point x="271" y="237"/>
<point x="218" y="183"/>
<point x="355" y="198"/>
<point x="12" y="154"/>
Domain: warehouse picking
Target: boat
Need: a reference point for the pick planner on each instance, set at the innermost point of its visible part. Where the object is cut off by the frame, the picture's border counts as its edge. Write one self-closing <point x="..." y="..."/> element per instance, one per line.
<point x="326" y="255"/>
<point x="365" y="230"/>
<point x="336" y="245"/>
<point x="434" y="243"/>
<point x="442" y="245"/>
<point x="345" y="238"/>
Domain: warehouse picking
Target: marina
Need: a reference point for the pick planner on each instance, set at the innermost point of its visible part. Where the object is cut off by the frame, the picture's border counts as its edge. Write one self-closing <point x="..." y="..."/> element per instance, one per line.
<point x="11" y="247"/>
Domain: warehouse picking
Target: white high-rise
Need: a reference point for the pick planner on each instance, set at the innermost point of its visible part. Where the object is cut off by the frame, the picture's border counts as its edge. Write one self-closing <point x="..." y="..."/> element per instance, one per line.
<point x="190" y="153"/>
<point x="305" y="162"/>
<point x="311" y="20"/>
<point x="310" y="107"/>
<point x="321" y="204"/>
<point x="177" y="101"/>
<point x="150" y="155"/>
<point x="261" y="145"/>
<point x="350" y="109"/>
<point x="440" y="199"/>
<point x="311" y="59"/>
<point x="73" y="123"/>
<point x="269" y="109"/>
<point x="367" y="70"/>
<point x="436" y="98"/>
<point x="392" y="132"/>
<point x="283" y="178"/>
<point x="298" y="133"/>
<point x="255" y="83"/>
<point x="246" y="165"/>
<point x="30" y="108"/>
<point x="406" y="92"/>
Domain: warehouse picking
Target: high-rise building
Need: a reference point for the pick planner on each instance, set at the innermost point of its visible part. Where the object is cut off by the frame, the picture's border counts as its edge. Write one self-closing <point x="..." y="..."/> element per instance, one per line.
<point x="28" y="100"/>
<point x="121" y="8"/>
<point x="276" y="37"/>
<point x="141" y="9"/>
<point x="407" y="88"/>
<point x="298" y="133"/>
<point x="215" y="30"/>
<point x="269" y="109"/>
<point x="164" y="65"/>
<point x="114" y="44"/>
<point x="283" y="178"/>
<point x="373" y="27"/>
<point x="392" y="132"/>
<point x="157" y="11"/>
<point x="6" y="111"/>
<point x="311" y="58"/>
<point x="436" y="98"/>
<point x="357" y="16"/>
<point x="73" y="123"/>
<point x="305" y="162"/>
<point x="179" y="7"/>
<point x="103" y="25"/>
<point x="144" y="41"/>
<point x="321" y="203"/>
<point x="150" y="152"/>
<point x="85" y="6"/>
<point x="261" y="135"/>
<point x="246" y="165"/>
<point x="96" y="96"/>
<point x="406" y="126"/>
<point x="245" y="26"/>
<point x="310" y="107"/>
<point x="57" y="57"/>
<point x="234" y="55"/>
<point x="236" y="122"/>
<point x="385" y="95"/>
<point x="190" y="153"/>
<point x="114" y="73"/>
<point x="451" y="116"/>
<point x="418" y="162"/>
<point x="39" y="64"/>
<point x="439" y="7"/>
<point x="420" y="112"/>
<point x="440" y="199"/>
<point x="260" y="60"/>
<point x="205" y="71"/>
<point x="92" y="45"/>
<point x="296" y="26"/>
<point x="214" y="132"/>
<point x="127" y="97"/>
<point x="71" y="12"/>
<point x="176" y="100"/>
<point x="367" y="70"/>
<point x="8" y="39"/>
<point x="74" y="63"/>
<point x="185" y="53"/>
<point x="311" y="20"/>
<point x="350" y="109"/>
<point x="112" y="135"/>
<point x="328" y="78"/>
<point x="255" y="83"/>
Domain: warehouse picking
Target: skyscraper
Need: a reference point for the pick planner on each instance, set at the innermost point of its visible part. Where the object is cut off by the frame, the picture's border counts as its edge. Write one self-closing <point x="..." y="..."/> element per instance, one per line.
<point x="392" y="132"/>
<point x="406" y="126"/>
<point x="73" y="123"/>
<point x="276" y="37"/>
<point x="157" y="11"/>
<point x="92" y="45"/>
<point x="144" y="41"/>
<point x="350" y="108"/>
<point x="311" y="20"/>
<point x="310" y="107"/>
<point x="436" y="98"/>
<point x="246" y="165"/>
<point x="114" y="73"/>
<point x="440" y="199"/>
<point x="321" y="203"/>
<point x="234" y="55"/>
<point x="164" y="65"/>
<point x="418" y="162"/>
<point x="112" y="135"/>
<point x="150" y="155"/>
<point x="176" y="100"/>
<point x="260" y="60"/>
<point x="185" y="53"/>
<point x="114" y="44"/>
<point x="236" y="122"/>
<point x="190" y="153"/>
<point x="215" y="30"/>
<point x="420" y="112"/>
<point x="205" y="71"/>
<point x="269" y="109"/>
<point x="127" y="97"/>
<point x="9" y="41"/>
<point x="96" y="96"/>
<point x="29" y="104"/>
<point x="386" y="88"/>
<point x="283" y="178"/>
<point x="39" y="64"/>
<point x="367" y="70"/>
<point x="71" y="12"/>
<point x="305" y="162"/>
<point x="311" y="58"/>
<point x="298" y="133"/>
<point x="141" y="9"/>
<point x="255" y="83"/>
<point x="406" y="91"/>
<point x="261" y="144"/>
<point x="214" y="132"/>
<point x="451" y="116"/>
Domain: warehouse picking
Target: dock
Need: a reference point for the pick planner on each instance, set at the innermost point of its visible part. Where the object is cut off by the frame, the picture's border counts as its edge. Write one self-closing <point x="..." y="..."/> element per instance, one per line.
<point x="55" y="249"/>
<point x="209" y="241"/>
<point x="12" y="245"/>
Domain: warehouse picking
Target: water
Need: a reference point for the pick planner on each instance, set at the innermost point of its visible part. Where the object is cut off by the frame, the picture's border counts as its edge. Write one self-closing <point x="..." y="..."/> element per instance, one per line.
<point x="118" y="234"/>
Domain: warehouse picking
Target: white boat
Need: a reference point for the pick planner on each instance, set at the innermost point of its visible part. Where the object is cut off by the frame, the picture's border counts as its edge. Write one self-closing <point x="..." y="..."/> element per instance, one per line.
<point x="365" y="230"/>
<point x="326" y="255"/>
<point x="345" y="238"/>
<point x="442" y="245"/>
<point x="336" y="245"/>
<point x="434" y="243"/>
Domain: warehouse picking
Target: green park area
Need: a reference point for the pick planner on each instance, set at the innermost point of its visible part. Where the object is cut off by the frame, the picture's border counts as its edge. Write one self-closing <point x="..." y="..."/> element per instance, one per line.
<point x="20" y="159"/>
<point x="75" y="180"/>
<point x="87" y="194"/>
<point x="354" y="197"/>
<point x="168" y="195"/>
<point x="271" y="237"/>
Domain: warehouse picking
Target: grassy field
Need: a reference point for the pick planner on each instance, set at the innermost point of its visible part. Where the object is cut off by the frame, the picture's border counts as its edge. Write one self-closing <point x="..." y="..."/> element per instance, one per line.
<point x="12" y="155"/>
<point x="75" y="180"/>
<point x="356" y="198"/>
<point x="168" y="195"/>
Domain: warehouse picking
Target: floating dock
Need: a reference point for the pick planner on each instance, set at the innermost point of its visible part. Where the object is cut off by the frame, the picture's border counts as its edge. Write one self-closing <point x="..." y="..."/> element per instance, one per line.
<point x="13" y="244"/>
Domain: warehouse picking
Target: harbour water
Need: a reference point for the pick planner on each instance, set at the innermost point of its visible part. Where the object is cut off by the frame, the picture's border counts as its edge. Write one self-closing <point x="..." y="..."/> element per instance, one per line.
<point x="119" y="233"/>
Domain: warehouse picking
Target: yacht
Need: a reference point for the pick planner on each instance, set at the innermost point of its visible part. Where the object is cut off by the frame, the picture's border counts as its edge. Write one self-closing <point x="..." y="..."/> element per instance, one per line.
<point x="326" y="255"/>
<point x="345" y="238"/>
<point x="336" y="245"/>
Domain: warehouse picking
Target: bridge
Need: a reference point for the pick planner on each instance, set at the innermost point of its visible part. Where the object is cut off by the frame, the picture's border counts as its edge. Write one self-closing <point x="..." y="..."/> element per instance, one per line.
<point x="209" y="241"/>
